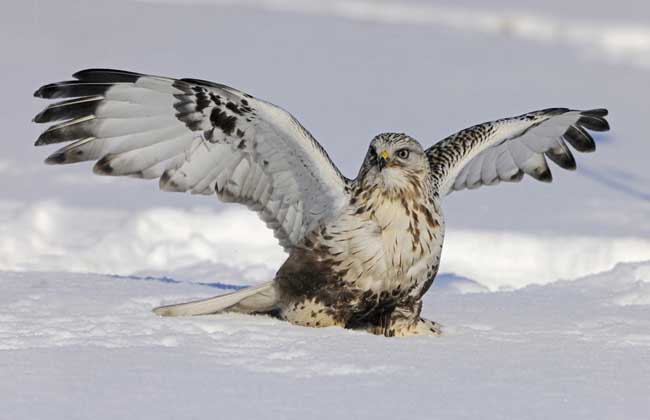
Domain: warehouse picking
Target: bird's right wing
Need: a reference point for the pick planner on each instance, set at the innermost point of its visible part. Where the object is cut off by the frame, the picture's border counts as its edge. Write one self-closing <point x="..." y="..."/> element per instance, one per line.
<point x="196" y="136"/>
<point x="506" y="149"/>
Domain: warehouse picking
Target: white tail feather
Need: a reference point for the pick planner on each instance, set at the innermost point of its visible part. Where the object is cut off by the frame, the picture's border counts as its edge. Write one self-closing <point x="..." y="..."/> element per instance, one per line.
<point x="260" y="298"/>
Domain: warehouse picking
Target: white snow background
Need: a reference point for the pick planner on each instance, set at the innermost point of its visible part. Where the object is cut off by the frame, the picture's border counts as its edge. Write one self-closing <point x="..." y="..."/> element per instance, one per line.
<point x="544" y="289"/>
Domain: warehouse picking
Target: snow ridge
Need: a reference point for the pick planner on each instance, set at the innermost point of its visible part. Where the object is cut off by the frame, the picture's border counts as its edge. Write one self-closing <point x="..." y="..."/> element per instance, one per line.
<point x="234" y="247"/>
<point x="615" y="41"/>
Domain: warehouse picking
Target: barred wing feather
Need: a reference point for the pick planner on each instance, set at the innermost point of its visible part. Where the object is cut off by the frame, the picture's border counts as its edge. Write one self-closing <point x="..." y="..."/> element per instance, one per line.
<point x="505" y="150"/>
<point x="196" y="136"/>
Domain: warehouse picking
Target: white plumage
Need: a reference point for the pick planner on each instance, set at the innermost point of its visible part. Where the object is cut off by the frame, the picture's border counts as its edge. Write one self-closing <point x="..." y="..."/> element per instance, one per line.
<point x="269" y="162"/>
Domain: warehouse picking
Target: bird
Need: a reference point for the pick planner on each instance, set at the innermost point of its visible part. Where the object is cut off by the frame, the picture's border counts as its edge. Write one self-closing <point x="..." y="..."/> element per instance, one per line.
<point x="362" y="252"/>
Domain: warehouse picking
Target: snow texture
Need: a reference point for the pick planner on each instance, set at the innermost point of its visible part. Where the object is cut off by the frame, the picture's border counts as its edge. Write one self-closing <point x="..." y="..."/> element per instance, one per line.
<point x="86" y="346"/>
<point x="234" y="246"/>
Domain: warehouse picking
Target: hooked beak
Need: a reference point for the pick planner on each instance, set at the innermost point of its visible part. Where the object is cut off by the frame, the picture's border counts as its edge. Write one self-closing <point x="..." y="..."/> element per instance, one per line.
<point x="383" y="159"/>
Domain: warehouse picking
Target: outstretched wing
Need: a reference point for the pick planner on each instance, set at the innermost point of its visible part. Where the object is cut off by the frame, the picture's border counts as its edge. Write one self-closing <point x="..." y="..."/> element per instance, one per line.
<point x="505" y="150"/>
<point x="196" y="136"/>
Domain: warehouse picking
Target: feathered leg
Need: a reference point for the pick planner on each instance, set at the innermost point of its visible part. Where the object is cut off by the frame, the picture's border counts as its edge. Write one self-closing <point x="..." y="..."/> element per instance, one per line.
<point x="309" y="313"/>
<point x="404" y="322"/>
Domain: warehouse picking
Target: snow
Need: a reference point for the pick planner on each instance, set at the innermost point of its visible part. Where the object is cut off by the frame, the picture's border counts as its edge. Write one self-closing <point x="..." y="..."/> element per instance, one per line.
<point x="86" y="346"/>
<point x="544" y="289"/>
<point x="615" y="41"/>
<point x="237" y="247"/>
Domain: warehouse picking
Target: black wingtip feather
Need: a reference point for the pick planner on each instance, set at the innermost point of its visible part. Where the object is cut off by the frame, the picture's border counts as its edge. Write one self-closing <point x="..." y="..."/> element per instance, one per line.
<point x="55" y="159"/>
<point x="67" y="131"/>
<point x="72" y="89"/>
<point x="46" y="138"/>
<point x="564" y="159"/>
<point x="70" y="109"/>
<point x="580" y="139"/>
<point x="103" y="166"/>
<point x="540" y="172"/>
<point x="44" y="90"/>
<point x="89" y="82"/>
<point x="593" y="123"/>
<point x="544" y="175"/>
<point x="598" y="112"/>
<point x="107" y="76"/>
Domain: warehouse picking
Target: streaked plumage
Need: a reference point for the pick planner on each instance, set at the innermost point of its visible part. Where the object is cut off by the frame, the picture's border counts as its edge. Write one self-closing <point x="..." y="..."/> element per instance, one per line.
<point x="363" y="251"/>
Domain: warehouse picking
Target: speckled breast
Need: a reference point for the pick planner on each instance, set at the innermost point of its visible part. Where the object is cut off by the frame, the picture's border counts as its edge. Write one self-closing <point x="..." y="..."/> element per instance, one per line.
<point x="363" y="265"/>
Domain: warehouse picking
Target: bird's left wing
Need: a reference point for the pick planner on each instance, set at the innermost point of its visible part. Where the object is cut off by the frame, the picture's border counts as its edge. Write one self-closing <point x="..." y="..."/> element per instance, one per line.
<point x="505" y="150"/>
<point x="196" y="136"/>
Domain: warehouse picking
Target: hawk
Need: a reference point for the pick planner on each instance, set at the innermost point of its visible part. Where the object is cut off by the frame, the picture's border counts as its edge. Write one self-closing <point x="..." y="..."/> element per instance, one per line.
<point x="362" y="251"/>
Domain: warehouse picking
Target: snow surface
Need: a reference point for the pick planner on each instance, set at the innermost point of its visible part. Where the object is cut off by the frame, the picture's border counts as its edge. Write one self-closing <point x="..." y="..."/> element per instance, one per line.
<point x="567" y="350"/>
<point x="544" y="289"/>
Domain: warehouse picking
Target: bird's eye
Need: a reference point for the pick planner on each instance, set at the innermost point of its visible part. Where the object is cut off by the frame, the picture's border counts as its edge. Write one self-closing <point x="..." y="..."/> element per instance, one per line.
<point x="403" y="153"/>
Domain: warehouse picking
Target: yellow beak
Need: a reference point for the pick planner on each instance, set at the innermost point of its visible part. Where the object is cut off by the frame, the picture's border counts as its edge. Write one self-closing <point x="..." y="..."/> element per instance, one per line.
<point x="384" y="155"/>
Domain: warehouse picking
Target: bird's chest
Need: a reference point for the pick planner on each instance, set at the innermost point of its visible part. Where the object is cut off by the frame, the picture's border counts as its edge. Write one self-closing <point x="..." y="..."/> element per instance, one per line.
<point x="395" y="247"/>
<point x="411" y="239"/>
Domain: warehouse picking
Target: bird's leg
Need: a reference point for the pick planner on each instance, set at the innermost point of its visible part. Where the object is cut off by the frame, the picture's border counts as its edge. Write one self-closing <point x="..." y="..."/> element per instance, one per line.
<point x="309" y="313"/>
<point x="426" y="327"/>
<point x="404" y="322"/>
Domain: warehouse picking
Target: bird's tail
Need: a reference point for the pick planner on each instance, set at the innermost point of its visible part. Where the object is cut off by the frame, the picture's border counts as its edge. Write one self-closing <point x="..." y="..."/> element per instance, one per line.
<point x="256" y="299"/>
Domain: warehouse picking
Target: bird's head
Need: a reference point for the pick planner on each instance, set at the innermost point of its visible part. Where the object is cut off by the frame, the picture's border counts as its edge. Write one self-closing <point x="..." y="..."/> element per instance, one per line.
<point x="394" y="162"/>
